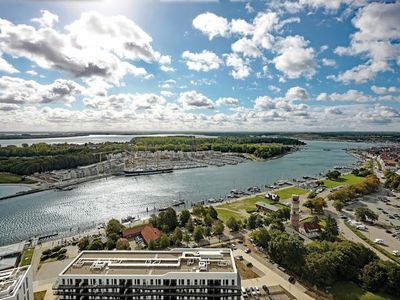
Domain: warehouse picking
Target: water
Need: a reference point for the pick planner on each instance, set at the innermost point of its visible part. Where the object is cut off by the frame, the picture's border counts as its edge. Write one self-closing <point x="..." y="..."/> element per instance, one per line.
<point x="93" y="138"/>
<point x="97" y="201"/>
<point x="11" y="189"/>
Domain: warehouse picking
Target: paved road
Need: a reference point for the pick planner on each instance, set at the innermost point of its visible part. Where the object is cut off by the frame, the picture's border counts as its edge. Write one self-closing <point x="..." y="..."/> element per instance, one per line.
<point x="271" y="277"/>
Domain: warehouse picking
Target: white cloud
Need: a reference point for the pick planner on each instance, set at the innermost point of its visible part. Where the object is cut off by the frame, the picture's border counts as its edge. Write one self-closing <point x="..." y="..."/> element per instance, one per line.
<point x="384" y="90"/>
<point x="328" y="62"/>
<point x="204" y="61"/>
<point x="15" y="90"/>
<point x="247" y="47"/>
<point x="264" y="24"/>
<point x="228" y="101"/>
<point x="295" y="58"/>
<point x="126" y="101"/>
<point x="297" y="93"/>
<point x="274" y="88"/>
<point x="47" y="19"/>
<point x="378" y="26"/>
<point x="379" y="114"/>
<point x="6" y="67"/>
<point x="167" y="94"/>
<point x="334" y="111"/>
<point x="92" y="46"/>
<point x="240" y="68"/>
<point x="241" y="27"/>
<point x="193" y="99"/>
<point x="350" y="95"/>
<point x="32" y="72"/>
<point x="211" y="25"/>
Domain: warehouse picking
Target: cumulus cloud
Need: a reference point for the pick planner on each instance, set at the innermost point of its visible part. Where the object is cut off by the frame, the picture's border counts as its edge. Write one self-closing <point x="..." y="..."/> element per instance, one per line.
<point x="328" y="62"/>
<point x="246" y="47"/>
<point x="47" y="19"/>
<point x="193" y="99"/>
<point x="211" y="25"/>
<point x="384" y="90"/>
<point x="228" y="101"/>
<point x="241" y="27"/>
<point x="350" y="95"/>
<point x="379" y="114"/>
<point x="204" y="61"/>
<point x="15" y="90"/>
<point x="295" y="58"/>
<point x="241" y="69"/>
<point x="126" y="101"/>
<point x="297" y="93"/>
<point x="6" y="67"/>
<point x="334" y="111"/>
<point x="378" y="26"/>
<point x="92" y="46"/>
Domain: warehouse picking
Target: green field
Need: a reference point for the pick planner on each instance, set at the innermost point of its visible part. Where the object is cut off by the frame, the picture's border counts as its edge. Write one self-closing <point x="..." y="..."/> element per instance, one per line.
<point x="12" y="178"/>
<point x="237" y="209"/>
<point x="26" y="257"/>
<point x="351" y="291"/>
<point x="288" y="192"/>
<point x="347" y="179"/>
<point x="39" y="295"/>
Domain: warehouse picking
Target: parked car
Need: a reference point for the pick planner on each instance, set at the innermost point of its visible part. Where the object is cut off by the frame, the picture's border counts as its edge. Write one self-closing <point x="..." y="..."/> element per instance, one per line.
<point x="248" y="250"/>
<point x="379" y="241"/>
<point x="396" y="252"/>
<point x="291" y="279"/>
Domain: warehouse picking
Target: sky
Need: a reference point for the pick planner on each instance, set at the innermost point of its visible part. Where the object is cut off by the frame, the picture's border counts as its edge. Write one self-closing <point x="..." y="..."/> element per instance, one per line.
<point x="193" y="65"/>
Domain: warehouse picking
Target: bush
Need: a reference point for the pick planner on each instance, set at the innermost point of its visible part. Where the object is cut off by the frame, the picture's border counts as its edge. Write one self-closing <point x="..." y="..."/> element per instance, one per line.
<point x="46" y="252"/>
<point x="54" y="255"/>
<point x="61" y="257"/>
<point x="56" y="249"/>
<point x="62" y="251"/>
<point x="44" y="257"/>
<point x="251" y="210"/>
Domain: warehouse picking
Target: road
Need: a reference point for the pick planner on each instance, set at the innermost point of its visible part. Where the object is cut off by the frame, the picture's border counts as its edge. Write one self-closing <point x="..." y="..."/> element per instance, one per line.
<point x="271" y="277"/>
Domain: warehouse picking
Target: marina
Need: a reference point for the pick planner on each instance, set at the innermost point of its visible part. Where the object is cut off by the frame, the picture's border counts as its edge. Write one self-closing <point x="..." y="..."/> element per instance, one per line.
<point x="95" y="202"/>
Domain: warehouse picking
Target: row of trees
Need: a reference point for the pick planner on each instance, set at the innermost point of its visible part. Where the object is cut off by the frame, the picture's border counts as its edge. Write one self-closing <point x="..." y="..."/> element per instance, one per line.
<point x="368" y="186"/>
<point x="323" y="263"/>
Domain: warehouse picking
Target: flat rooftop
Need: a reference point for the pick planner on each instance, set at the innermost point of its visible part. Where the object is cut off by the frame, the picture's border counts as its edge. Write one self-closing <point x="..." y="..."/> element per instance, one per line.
<point x="151" y="262"/>
<point x="10" y="280"/>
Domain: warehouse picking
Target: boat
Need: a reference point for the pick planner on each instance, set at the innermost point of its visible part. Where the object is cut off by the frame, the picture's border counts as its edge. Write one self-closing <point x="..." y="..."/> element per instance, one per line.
<point x="178" y="202"/>
<point x="139" y="172"/>
<point x="127" y="219"/>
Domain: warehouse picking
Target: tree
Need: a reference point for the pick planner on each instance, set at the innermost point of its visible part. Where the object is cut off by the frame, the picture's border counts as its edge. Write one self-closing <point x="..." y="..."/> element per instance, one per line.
<point x="251" y="222"/>
<point x="152" y="245"/>
<point x="184" y="217"/>
<point x="164" y="241"/>
<point x="96" y="244"/>
<point x="207" y="231"/>
<point x="114" y="227"/>
<point x="277" y="225"/>
<point x="261" y="237"/>
<point x="338" y="205"/>
<point x="312" y="195"/>
<point x="213" y="212"/>
<point x="112" y="241"/>
<point x="333" y="175"/>
<point x="208" y="220"/>
<point x="331" y="229"/>
<point x="189" y="225"/>
<point x="218" y="228"/>
<point x="198" y="210"/>
<point x="316" y="204"/>
<point x="232" y="224"/>
<point x="167" y="219"/>
<point x="373" y="276"/>
<point x="123" y="244"/>
<point x="177" y="236"/>
<point x="186" y="238"/>
<point x="198" y="233"/>
<point x="83" y="243"/>
<point x="364" y="213"/>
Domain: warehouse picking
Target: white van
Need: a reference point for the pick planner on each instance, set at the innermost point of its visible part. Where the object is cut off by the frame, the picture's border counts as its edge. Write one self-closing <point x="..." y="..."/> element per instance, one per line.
<point x="379" y="241"/>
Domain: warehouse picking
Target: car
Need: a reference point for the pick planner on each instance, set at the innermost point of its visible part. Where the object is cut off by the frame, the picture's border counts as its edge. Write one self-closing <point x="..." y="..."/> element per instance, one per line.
<point x="249" y="264"/>
<point x="291" y="279"/>
<point x="343" y="217"/>
<point x="379" y="241"/>
<point x="388" y="231"/>
<point x="253" y="291"/>
<point x="380" y="208"/>
<point x="391" y="217"/>
<point x="240" y="257"/>
<point x="385" y="212"/>
<point x="265" y="288"/>
<point x="244" y="293"/>
<point x="396" y="252"/>
<point x="248" y="250"/>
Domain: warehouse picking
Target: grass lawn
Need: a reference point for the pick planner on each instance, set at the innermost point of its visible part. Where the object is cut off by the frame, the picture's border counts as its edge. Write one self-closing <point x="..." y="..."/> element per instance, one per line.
<point x="39" y="295"/>
<point x="347" y="179"/>
<point x="225" y="213"/>
<point x="321" y="222"/>
<point x="13" y="178"/>
<point x="351" y="291"/>
<point x="288" y="192"/>
<point x="26" y="257"/>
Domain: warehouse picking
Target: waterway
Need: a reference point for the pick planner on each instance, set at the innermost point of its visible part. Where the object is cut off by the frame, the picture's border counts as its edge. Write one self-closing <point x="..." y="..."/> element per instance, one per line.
<point x="97" y="201"/>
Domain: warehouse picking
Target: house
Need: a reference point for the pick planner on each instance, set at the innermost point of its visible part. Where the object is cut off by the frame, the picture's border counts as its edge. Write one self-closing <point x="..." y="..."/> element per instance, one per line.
<point x="148" y="232"/>
<point x="266" y="208"/>
<point x="310" y="229"/>
<point x="271" y="196"/>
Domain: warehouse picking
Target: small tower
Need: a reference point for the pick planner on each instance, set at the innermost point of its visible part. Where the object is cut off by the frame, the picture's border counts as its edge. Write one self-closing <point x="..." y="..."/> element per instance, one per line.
<point x="295" y="213"/>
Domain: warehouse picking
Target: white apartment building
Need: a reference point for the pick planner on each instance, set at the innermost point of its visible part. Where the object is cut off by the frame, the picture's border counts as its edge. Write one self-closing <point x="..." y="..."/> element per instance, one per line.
<point x="16" y="284"/>
<point x="171" y="274"/>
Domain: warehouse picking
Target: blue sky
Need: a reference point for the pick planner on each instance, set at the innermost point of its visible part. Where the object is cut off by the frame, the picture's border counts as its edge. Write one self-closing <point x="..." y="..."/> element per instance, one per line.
<point x="299" y="65"/>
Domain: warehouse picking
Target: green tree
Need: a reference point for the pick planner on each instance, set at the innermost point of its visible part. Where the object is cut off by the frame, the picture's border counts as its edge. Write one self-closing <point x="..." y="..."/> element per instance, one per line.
<point x="184" y="217"/>
<point x="164" y="241"/>
<point x="208" y="220"/>
<point x="213" y="212"/>
<point x="331" y="229"/>
<point x="252" y="222"/>
<point x="189" y="225"/>
<point x="152" y="245"/>
<point x="373" y="276"/>
<point x="333" y="175"/>
<point x="338" y="205"/>
<point x="177" y="236"/>
<point x="198" y="210"/>
<point x="261" y="237"/>
<point x="167" y="219"/>
<point x="316" y="204"/>
<point x="123" y="244"/>
<point x="218" y="228"/>
<point x="207" y="231"/>
<point x="232" y="224"/>
<point x="186" y="238"/>
<point x="83" y="243"/>
<point x="114" y="227"/>
<point x="364" y="213"/>
<point x="96" y="244"/>
<point x="198" y="233"/>
<point x="112" y="241"/>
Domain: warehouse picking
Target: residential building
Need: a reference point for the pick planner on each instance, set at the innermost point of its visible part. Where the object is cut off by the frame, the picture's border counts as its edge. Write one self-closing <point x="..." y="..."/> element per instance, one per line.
<point x="148" y="232"/>
<point x="16" y="284"/>
<point x="310" y="229"/>
<point x="201" y="273"/>
<point x="10" y="255"/>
